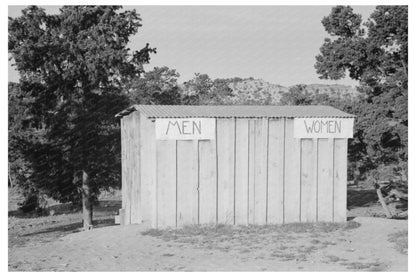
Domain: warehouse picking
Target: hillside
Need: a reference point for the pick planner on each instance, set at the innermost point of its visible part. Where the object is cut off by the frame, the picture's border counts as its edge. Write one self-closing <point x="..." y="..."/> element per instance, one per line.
<point x="251" y="90"/>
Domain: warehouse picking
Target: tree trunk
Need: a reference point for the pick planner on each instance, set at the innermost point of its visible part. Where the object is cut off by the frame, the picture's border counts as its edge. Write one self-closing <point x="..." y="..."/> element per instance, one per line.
<point x="382" y="202"/>
<point x="86" y="202"/>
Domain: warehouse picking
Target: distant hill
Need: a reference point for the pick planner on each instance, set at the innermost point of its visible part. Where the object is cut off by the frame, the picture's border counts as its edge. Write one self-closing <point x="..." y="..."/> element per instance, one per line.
<point x="262" y="92"/>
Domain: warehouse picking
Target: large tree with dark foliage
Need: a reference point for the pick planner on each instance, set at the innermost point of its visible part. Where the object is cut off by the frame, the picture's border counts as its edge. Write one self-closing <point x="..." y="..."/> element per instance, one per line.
<point x="155" y="87"/>
<point x="376" y="54"/>
<point x="73" y="65"/>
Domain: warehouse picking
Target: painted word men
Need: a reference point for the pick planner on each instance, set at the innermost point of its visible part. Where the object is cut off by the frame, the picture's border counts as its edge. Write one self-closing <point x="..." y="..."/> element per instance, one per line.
<point x="185" y="128"/>
<point x="323" y="127"/>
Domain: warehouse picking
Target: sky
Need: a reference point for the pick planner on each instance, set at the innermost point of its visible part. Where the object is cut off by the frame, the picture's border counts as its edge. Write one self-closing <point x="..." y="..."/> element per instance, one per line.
<point x="275" y="43"/>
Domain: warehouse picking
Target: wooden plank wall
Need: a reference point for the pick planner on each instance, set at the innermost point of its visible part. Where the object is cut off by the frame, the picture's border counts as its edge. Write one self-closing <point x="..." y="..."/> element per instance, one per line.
<point x="275" y="192"/>
<point x="241" y="171"/>
<point x="187" y="182"/>
<point x="292" y="176"/>
<point x="255" y="172"/>
<point x="225" y="170"/>
<point x="148" y="171"/>
<point x="207" y="182"/>
<point x="340" y="179"/>
<point x="131" y="189"/>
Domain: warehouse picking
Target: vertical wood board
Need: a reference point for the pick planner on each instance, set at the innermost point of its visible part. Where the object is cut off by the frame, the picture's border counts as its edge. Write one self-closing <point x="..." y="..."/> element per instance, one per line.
<point x="325" y="179"/>
<point x="207" y="182"/>
<point x="251" y="171"/>
<point x="225" y="146"/>
<point x="241" y="172"/>
<point x="275" y="171"/>
<point x="135" y="169"/>
<point x="260" y="167"/>
<point x="129" y="168"/>
<point x="187" y="182"/>
<point x="340" y="179"/>
<point x="308" y="180"/>
<point x="292" y="175"/>
<point x="123" y="164"/>
<point x="166" y="183"/>
<point x="148" y="172"/>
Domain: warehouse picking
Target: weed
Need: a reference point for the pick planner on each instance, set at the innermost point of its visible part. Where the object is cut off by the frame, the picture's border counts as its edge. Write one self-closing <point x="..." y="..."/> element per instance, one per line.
<point x="400" y="239"/>
<point x="307" y="250"/>
<point x="335" y="259"/>
<point x="374" y="266"/>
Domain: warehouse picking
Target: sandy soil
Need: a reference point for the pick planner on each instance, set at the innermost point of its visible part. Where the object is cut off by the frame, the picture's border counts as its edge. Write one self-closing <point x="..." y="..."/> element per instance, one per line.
<point x="125" y="248"/>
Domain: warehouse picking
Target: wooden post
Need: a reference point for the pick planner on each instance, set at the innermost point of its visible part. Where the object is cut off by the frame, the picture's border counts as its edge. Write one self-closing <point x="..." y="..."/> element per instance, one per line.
<point x="382" y="202"/>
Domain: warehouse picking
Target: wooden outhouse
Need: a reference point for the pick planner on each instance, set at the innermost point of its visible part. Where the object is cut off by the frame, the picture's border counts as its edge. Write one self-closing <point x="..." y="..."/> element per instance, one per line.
<point x="233" y="164"/>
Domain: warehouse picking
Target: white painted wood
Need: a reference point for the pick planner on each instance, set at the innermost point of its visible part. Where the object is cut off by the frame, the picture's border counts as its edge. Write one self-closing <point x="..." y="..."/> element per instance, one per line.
<point x="323" y="127"/>
<point x="166" y="183"/>
<point x="129" y="169"/>
<point x="148" y="172"/>
<point x="308" y="179"/>
<point x="275" y="171"/>
<point x="340" y="179"/>
<point x="260" y="183"/>
<point x="325" y="179"/>
<point x="251" y="171"/>
<point x="207" y="182"/>
<point x="241" y="174"/>
<point x="292" y="175"/>
<point x="135" y="169"/>
<point x="225" y="145"/>
<point x="187" y="184"/>
<point x="124" y="163"/>
<point x="185" y="128"/>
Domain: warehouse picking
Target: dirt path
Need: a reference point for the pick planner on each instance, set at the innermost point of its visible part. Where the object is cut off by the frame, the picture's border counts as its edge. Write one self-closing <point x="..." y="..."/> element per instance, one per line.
<point x="126" y="249"/>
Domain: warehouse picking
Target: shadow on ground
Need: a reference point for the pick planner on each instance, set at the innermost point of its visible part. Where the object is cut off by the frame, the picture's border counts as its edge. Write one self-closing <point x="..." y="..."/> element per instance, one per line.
<point x="24" y="228"/>
<point x="357" y="197"/>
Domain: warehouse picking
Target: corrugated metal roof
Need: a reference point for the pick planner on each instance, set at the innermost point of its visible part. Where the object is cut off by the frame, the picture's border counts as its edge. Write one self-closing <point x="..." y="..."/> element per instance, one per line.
<point x="225" y="111"/>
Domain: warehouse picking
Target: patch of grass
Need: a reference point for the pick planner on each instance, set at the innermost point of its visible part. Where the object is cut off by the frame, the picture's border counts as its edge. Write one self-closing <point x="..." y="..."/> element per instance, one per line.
<point x="351" y="225"/>
<point x="400" y="239"/>
<point x="279" y="240"/>
<point x="374" y="266"/>
<point x="228" y="230"/>
<point x="284" y="256"/>
<point x="335" y="259"/>
<point x="307" y="250"/>
<point x="326" y="243"/>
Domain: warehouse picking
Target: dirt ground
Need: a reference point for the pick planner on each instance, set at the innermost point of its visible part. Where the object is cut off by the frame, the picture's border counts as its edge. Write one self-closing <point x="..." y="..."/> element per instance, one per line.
<point x="54" y="243"/>
<point x="131" y="248"/>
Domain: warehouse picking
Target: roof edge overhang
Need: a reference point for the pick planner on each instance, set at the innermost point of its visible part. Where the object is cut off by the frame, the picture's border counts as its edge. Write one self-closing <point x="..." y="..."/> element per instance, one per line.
<point x="127" y="111"/>
<point x="135" y="107"/>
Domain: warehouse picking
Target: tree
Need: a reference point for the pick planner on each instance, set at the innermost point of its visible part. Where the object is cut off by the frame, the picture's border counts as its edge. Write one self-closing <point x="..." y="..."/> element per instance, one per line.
<point x="20" y="129"/>
<point x="74" y="65"/>
<point x="158" y="87"/>
<point x="198" y="90"/>
<point x="297" y="95"/>
<point x="376" y="54"/>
